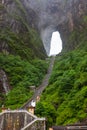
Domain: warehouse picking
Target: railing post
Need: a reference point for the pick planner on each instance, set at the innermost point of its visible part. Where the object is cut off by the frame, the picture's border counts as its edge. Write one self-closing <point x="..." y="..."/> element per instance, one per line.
<point x="44" y="124"/>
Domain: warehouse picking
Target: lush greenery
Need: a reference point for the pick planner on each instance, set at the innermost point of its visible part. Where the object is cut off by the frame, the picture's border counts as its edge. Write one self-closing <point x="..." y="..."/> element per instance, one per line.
<point x="21" y="75"/>
<point x="22" y="55"/>
<point x="65" y="99"/>
<point x="22" y="44"/>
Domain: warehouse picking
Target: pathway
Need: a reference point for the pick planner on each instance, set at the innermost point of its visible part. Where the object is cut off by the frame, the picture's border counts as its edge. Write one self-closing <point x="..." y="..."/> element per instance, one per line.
<point x="44" y="84"/>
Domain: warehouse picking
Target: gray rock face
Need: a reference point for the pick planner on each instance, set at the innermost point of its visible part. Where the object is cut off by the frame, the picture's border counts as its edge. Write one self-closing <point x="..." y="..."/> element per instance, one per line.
<point x="56" y="15"/>
<point x="48" y="16"/>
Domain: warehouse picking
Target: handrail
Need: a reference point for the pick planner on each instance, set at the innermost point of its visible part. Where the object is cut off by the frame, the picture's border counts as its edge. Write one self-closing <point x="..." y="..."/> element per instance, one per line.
<point x="18" y="111"/>
<point x="76" y="127"/>
<point x="38" y="119"/>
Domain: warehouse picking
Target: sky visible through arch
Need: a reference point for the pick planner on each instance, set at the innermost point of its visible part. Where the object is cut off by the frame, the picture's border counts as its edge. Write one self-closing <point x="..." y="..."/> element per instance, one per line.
<point x="56" y="44"/>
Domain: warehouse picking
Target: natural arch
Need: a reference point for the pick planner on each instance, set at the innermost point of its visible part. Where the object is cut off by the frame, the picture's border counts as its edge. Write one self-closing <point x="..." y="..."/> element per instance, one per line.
<point x="47" y="16"/>
<point x="51" y="15"/>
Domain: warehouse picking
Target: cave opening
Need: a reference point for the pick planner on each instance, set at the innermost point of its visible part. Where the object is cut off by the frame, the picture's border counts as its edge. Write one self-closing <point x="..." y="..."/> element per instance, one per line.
<point x="56" y="44"/>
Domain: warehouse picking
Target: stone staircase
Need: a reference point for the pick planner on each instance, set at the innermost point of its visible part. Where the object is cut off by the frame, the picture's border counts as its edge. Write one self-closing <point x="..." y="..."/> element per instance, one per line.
<point x="43" y="85"/>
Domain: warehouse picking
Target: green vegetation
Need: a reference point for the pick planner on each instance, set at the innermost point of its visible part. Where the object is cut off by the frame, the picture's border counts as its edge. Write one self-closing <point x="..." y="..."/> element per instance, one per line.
<point x="19" y="38"/>
<point x="22" y="55"/>
<point x="22" y="44"/>
<point x="65" y="99"/>
<point x="21" y="75"/>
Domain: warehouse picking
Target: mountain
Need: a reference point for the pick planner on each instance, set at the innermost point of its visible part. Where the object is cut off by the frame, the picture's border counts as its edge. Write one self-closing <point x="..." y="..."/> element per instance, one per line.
<point x="17" y="37"/>
<point x="27" y="19"/>
<point x="26" y="27"/>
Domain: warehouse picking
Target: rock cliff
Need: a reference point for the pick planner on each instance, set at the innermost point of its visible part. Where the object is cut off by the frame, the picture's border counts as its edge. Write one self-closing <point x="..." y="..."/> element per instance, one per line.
<point x="48" y="16"/>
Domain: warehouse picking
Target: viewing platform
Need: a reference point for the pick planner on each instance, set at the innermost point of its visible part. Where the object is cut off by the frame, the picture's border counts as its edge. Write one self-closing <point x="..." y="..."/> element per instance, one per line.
<point x="20" y="120"/>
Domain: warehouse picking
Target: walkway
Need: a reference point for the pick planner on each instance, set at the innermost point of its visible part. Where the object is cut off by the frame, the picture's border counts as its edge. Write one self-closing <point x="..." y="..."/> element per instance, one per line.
<point x="44" y="84"/>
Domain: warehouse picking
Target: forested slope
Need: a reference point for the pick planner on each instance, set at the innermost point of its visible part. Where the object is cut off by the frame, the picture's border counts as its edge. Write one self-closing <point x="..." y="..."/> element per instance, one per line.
<point x="21" y="75"/>
<point x="22" y="55"/>
<point x="65" y="99"/>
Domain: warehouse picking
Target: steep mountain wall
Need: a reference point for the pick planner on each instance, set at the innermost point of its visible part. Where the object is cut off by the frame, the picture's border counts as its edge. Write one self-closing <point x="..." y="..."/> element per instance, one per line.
<point x="48" y="16"/>
<point x="59" y="15"/>
<point x="16" y="35"/>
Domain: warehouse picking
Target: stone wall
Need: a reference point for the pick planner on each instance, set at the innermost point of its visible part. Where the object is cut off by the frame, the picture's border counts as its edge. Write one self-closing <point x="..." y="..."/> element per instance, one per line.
<point x="20" y="120"/>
